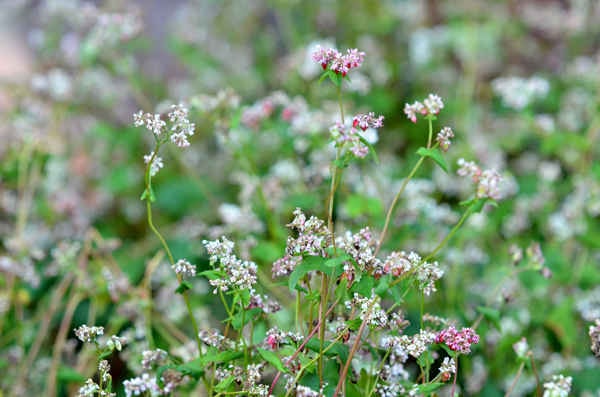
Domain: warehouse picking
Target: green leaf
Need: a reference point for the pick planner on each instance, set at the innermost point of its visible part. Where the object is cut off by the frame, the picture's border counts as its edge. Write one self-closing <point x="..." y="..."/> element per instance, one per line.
<point x="436" y="155"/>
<point x="492" y="315"/>
<point x="430" y="387"/>
<point x="212" y="274"/>
<point x="354" y="324"/>
<point x="336" y="350"/>
<point x="308" y="264"/>
<point x="337" y="261"/>
<point x="68" y="374"/>
<point x="272" y="359"/>
<point x="247" y="316"/>
<point x="364" y="286"/>
<point x="224" y="384"/>
<point x="148" y="195"/>
<point x="184" y="286"/>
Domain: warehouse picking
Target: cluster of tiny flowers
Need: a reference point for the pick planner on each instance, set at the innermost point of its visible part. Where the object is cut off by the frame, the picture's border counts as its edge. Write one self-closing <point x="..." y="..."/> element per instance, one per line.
<point x="276" y="337"/>
<point x="184" y="268"/>
<point x="488" y="181"/>
<point x="459" y="341"/>
<point x="88" y="334"/>
<point x="535" y="254"/>
<point x="181" y="127"/>
<point x="152" y="122"/>
<point x="517" y="92"/>
<point x="559" y="386"/>
<point x="142" y="385"/>
<point x="426" y="275"/>
<point x="399" y="263"/>
<point x="89" y="389"/>
<point x="361" y="247"/>
<point x="240" y="274"/>
<point x="151" y="358"/>
<point x="157" y="163"/>
<point x="447" y="367"/>
<point x="444" y="137"/>
<point x="350" y="137"/>
<point x="521" y="348"/>
<point x="116" y="342"/>
<point x="336" y="61"/>
<point x="285" y="266"/>
<point x="305" y="391"/>
<point x="212" y="337"/>
<point x="268" y="306"/>
<point x="430" y="106"/>
<point x="364" y="121"/>
<point x="594" y="333"/>
<point x="370" y="310"/>
<point x="417" y="344"/>
<point x="313" y="236"/>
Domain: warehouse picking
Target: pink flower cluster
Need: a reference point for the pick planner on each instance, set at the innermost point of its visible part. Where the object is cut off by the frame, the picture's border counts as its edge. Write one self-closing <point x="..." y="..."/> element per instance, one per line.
<point x="336" y="61"/>
<point x="350" y="135"/>
<point x="431" y="105"/>
<point x="364" y="121"/>
<point x="488" y="181"/>
<point x="459" y="341"/>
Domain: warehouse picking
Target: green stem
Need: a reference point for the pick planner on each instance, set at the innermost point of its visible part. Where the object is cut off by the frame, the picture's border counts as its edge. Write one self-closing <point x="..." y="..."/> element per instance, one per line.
<point x="449" y="235"/>
<point x="390" y="211"/>
<point x="166" y="247"/>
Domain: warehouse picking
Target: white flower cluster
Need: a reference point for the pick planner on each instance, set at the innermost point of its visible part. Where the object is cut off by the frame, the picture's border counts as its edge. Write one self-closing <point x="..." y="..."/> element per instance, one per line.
<point x="142" y="385"/>
<point x="181" y="126"/>
<point x="88" y="334"/>
<point x="157" y="162"/>
<point x="152" y="358"/>
<point x="559" y="386"/>
<point x="370" y="310"/>
<point x="518" y="92"/>
<point x="488" y="181"/>
<point x="184" y="268"/>
<point x="240" y="274"/>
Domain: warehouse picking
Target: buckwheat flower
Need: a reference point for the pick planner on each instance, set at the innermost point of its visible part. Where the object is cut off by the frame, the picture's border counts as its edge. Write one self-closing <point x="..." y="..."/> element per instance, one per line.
<point x="305" y="391"/>
<point x="559" y="386"/>
<point x="468" y="168"/>
<point x="152" y="122"/>
<point x="361" y="246"/>
<point x="325" y="56"/>
<point x="364" y="121"/>
<point x="157" y="163"/>
<point x="335" y="61"/>
<point x="416" y="345"/>
<point x="411" y="111"/>
<point x="104" y="371"/>
<point x="535" y="255"/>
<point x="459" y="341"/>
<point x="140" y="385"/>
<point x="285" y="266"/>
<point x="116" y="342"/>
<point x="594" y="333"/>
<point x="88" y="334"/>
<point x="152" y="358"/>
<point x="521" y="348"/>
<point x="426" y="275"/>
<point x="433" y="103"/>
<point x="489" y="185"/>
<point x="396" y="264"/>
<point x="184" y="268"/>
<point x="447" y="368"/>
<point x="218" y="248"/>
<point x="370" y="310"/>
<point x="239" y="274"/>
<point x="89" y="389"/>
<point x="181" y="126"/>
<point x="444" y="138"/>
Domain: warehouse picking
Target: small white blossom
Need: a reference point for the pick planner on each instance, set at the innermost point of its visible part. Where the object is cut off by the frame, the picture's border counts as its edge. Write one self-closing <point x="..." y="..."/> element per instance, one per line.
<point x="184" y="268"/>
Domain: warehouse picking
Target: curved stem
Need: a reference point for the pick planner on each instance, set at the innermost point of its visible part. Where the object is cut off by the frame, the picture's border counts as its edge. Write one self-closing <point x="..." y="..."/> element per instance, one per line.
<point x="184" y="294"/>
<point x="449" y="235"/>
<point x="514" y="383"/>
<point x="390" y="211"/>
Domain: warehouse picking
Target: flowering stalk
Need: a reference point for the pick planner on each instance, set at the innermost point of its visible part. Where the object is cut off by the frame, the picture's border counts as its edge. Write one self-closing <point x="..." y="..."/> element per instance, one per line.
<point x="149" y="197"/>
<point x="430" y="108"/>
<point x="355" y="346"/>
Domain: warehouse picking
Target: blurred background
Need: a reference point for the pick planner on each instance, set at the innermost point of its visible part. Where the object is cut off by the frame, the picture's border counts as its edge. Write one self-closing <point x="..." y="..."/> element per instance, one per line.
<point x="520" y="81"/>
